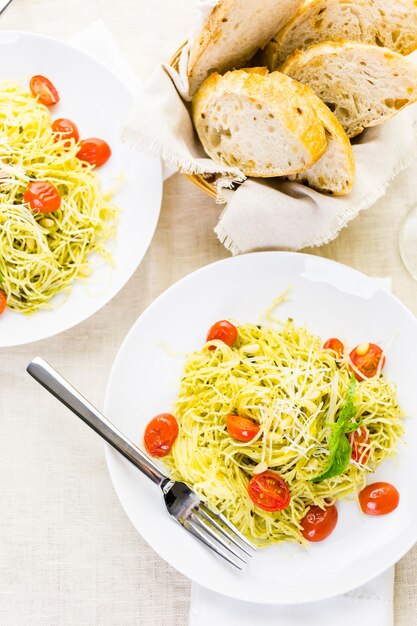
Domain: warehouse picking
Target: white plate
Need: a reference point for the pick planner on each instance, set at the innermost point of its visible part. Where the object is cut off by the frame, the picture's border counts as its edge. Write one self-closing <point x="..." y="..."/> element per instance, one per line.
<point x="333" y="300"/>
<point x="98" y="102"/>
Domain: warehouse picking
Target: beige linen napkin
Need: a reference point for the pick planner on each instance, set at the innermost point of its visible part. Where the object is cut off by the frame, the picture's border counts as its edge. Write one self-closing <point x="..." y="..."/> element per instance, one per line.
<point x="289" y="215"/>
<point x="266" y="213"/>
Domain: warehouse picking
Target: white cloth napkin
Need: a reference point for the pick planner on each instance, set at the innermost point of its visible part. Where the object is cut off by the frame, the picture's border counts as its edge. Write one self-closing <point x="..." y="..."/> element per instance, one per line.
<point x="266" y="214"/>
<point x="372" y="604"/>
<point x="97" y="41"/>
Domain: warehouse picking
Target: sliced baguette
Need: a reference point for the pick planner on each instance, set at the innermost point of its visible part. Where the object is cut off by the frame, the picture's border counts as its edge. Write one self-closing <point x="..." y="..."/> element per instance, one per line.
<point x="388" y="23"/>
<point x="363" y="85"/>
<point x="262" y="123"/>
<point x="233" y="32"/>
<point x="334" y="173"/>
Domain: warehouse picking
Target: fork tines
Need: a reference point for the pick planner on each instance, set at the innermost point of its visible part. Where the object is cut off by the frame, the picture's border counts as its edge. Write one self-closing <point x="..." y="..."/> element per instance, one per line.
<point x="216" y="532"/>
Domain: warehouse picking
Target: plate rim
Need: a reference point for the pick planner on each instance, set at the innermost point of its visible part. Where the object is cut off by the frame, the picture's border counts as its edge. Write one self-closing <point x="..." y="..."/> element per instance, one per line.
<point x="65" y="44"/>
<point x="42" y="336"/>
<point x="113" y="457"/>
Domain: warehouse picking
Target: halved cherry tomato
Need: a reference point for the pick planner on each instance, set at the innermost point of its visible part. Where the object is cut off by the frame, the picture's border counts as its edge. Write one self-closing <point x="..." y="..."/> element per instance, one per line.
<point x="224" y="331"/>
<point x="319" y="523"/>
<point x="359" y="440"/>
<point x="42" y="197"/>
<point x="160" y="434"/>
<point x="65" y="129"/>
<point x="3" y="302"/>
<point x="379" y="499"/>
<point x="366" y="358"/>
<point x="336" y="346"/>
<point x="44" y="90"/>
<point x="269" y="492"/>
<point x="241" y="428"/>
<point x="94" y="151"/>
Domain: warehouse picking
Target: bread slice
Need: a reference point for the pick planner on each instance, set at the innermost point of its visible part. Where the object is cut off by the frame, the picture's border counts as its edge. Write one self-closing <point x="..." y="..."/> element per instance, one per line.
<point x="262" y="123"/>
<point x="334" y="173"/>
<point x="233" y="32"/>
<point x="362" y="85"/>
<point x="388" y="23"/>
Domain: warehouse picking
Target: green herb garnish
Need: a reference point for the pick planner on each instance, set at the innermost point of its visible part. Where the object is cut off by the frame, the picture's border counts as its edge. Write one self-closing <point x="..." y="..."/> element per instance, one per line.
<point x="340" y="449"/>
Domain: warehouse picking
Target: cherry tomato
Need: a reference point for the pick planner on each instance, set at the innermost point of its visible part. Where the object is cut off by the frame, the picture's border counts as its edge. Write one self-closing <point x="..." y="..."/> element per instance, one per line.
<point x="319" y="523"/>
<point x="269" y="492"/>
<point x="336" y="346"/>
<point x="366" y="358"/>
<point x="94" y="151"/>
<point x="224" y="331"/>
<point x="42" y="197"/>
<point x="160" y="434"/>
<point x="379" y="499"/>
<point x="3" y="302"/>
<point x="241" y="428"/>
<point x="65" y="129"/>
<point x="43" y="89"/>
<point x="359" y="441"/>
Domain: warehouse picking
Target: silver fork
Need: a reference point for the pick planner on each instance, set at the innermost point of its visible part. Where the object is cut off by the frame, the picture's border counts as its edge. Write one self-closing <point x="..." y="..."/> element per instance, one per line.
<point x="4" y="4"/>
<point x="184" y="506"/>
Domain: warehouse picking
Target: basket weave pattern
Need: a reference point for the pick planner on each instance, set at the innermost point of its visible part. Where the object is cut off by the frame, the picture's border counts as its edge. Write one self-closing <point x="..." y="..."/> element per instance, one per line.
<point x="203" y="183"/>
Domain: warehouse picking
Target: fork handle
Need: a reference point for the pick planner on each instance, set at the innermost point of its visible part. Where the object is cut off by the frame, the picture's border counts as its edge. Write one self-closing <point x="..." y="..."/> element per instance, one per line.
<point x="4" y="4"/>
<point x="53" y="382"/>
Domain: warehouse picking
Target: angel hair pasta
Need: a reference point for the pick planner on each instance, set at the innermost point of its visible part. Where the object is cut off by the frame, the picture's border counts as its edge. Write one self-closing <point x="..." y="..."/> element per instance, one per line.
<point x="295" y="392"/>
<point x="42" y="253"/>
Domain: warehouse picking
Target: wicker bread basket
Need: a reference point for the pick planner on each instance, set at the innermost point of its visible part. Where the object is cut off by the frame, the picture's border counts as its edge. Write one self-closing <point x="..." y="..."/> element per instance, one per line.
<point x="205" y="184"/>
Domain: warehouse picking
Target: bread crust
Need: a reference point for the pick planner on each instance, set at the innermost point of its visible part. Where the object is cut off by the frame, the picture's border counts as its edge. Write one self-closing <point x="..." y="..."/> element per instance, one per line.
<point x="320" y="53"/>
<point x="211" y="31"/>
<point x="217" y="26"/>
<point x="287" y="99"/>
<point x="334" y="128"/>
<point x="375" y="11"/>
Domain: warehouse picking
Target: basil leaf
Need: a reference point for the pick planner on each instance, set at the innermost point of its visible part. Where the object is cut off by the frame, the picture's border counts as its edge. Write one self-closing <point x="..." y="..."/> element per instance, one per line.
<point x="352" y="426"/>
<point x="349" y="410"/>
<point x="339" y="462"/>
<point x="340" y="450"/>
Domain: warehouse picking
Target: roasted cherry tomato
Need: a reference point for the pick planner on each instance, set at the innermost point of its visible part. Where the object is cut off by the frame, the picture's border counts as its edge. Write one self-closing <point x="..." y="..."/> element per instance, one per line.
<point x="224" y="331"/>
<point x="94" y="151"/>
<point x="3" y="302"/>
<point x="65" y="129"/>
<point x="379" y="499"/>
<point x="366" y="358"/>
<point x="43" y="89"/>
<point x="336" y="346"/>
<point x="269" y="492"/>
<point x="42" y="197"/>
<point x="359" y="440"/>
<point x="319" y="523"/>
<point x="241" y="428"/>
<point x="160" y="434"/>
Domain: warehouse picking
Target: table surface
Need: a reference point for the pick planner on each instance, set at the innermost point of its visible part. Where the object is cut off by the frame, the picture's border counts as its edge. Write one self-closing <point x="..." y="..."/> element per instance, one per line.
<point x="69" y="555"/>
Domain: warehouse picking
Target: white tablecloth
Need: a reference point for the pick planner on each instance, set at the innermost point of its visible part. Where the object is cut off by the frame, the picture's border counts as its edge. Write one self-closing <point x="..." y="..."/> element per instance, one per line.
<point x="68" y="554"/>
